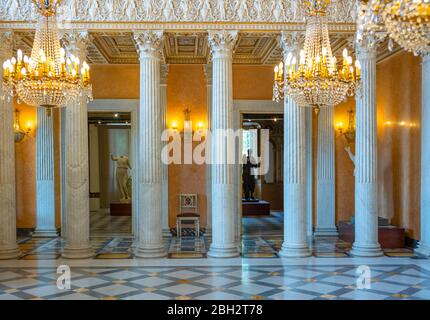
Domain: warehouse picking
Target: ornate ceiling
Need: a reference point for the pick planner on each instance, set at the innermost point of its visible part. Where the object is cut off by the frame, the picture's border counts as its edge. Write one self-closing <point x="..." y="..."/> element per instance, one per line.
<point x="190" y="47"/>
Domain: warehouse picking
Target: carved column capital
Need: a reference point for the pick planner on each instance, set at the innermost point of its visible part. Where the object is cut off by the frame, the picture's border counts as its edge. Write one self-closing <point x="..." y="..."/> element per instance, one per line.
<point x="164" y="73"/>
<point x="76" y="42"/>
<point x="222" y="41"/>
<point x="6" y="40"/>
<point x="291" y="42"/>
<point x="207" y="69"/>
<point x="149" y="43"/>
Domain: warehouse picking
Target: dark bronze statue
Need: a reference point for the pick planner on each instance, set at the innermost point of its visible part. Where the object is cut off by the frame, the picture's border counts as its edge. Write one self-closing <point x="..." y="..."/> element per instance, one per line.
<point x="248" y="177"/>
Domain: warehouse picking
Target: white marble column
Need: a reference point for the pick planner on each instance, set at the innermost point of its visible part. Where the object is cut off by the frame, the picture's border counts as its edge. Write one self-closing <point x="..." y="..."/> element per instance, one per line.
<point x="309" y="171"/>
<point x="223" y="183"/>
<point x="325" y="206"/>
<point x="207" y="69"/>
<point x="165" y="168"/>
<point x="424" y="243"/>
<point x="45" y="176"/>
<point x="63" y="175"/>
<point x="8" y="246"/>
<point x="295" y="170"/>
<point x="150" y="243"/>
<point x="77" y="168"/>
<point x="366" y="194"/>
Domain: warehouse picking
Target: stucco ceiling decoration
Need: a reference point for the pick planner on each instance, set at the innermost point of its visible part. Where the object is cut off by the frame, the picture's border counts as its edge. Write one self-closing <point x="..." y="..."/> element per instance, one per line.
<point x="192" y="48"/>
<point x="178" y="14"/>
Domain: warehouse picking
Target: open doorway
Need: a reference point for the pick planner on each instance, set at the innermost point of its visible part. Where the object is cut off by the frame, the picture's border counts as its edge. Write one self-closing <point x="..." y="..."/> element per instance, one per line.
<point x="262" y="185"/>
<point x="110" y="144"/>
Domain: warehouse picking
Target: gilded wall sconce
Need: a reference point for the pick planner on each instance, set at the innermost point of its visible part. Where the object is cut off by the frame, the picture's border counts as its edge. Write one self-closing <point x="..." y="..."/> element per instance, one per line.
<point x="19" y="132"/>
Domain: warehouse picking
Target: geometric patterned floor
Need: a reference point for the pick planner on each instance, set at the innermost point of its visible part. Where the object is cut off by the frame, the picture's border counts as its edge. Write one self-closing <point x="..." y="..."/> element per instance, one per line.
<point x="277" y="282"/>
<point x="189" y="247"/>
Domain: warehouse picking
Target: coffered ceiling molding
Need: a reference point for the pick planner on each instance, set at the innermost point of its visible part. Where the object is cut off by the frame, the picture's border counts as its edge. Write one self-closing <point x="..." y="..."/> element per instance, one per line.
<point x="192" y="48"/>
<point x="178" y="14"/>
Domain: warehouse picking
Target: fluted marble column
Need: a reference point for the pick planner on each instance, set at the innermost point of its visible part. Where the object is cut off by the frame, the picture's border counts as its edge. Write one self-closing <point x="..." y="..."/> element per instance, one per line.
<point x="150" y="212"/>
<point x="223" y="209"/>
<point x="295" y="189"/>
<point x="325" y="206"/>
<point x="366" y="194"/>
<point x="207" y="69"/>
<point x="8" y="246"/>
<point x="77" y="169"/>
<point x="309" y="172"/>
<point x="45" y="177"/>
<point x="165" y="168"/>
<point x="424" y="243"/>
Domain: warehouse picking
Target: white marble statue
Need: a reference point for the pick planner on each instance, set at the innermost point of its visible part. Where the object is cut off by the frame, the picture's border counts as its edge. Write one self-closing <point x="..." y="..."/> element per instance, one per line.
<point x="122" y="177"/>
<point x="351" y="156"/>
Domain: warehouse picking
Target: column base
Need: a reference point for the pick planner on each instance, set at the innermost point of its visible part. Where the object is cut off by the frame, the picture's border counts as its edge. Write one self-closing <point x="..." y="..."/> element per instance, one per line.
<point x="150" y="252"/>
<point x="323" y="232"/>
<point x="77" y="253"/>
<point x="166" y="233"/>
<point x="423" y="250"/>
<point x="45" y="233"/>
<point x="11" y="252"/>
<point x="371" y="250"/>
<point x="228" y="251"/>
<point x="294" y="251"/>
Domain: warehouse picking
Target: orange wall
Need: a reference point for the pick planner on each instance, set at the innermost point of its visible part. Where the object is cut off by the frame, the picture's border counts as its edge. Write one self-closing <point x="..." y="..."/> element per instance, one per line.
<point x="345" y="184"/>
<point x="399" y="117"/>
<point x="398" y="99"/>
<point x="398" y="106"/>
<point x="25" y="168"/>
<point x="186" y="88"/>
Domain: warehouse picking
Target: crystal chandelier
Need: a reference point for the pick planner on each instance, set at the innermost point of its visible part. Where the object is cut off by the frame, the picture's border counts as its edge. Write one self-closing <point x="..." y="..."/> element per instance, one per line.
<point x="315" y="79"/>
<point x="405" y="21"/>
<point x="49" y="78"/>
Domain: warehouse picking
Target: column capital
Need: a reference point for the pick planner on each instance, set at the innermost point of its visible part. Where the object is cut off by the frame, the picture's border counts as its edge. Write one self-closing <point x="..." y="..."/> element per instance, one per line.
<point x="164" y="73"/>
<point x="222" y="41"/>
<point x="76" y="42"/>
<point x="6" y="40"/>
<point x="367" y="47"/>
<point x="149" y="42"/>
<point x="207" y="70"/>
<point x="291" y="42"/>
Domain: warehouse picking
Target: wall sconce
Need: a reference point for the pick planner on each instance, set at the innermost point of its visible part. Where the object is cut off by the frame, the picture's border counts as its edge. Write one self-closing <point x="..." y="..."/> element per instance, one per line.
<point x="349" y="133"/>
<point x="174" y="125"/>
<point x="17" y="129"/>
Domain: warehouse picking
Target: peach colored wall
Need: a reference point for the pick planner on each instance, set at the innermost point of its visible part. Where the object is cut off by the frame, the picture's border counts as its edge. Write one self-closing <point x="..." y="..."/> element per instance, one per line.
<point x="344" y="167"/>
<point x="252" y="82"/>
<point x="399" y="117"/>
<point x="398" y="107"/>
<point x="398" y="99"/>
<point x="186" y="88"/>
<point x="115" y="81"/>
<point x="25" y="168"/>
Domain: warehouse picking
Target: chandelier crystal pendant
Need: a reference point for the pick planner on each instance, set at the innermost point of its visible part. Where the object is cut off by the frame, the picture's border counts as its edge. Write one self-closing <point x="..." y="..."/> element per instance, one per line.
<point x="406" y="21"/>
<point x="49" y="78"/>
<point x="314" y="79"/>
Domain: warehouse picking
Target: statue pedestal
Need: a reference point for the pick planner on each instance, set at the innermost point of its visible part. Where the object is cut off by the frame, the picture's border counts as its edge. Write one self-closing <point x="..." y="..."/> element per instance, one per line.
<point x="255" y="208"/>
<point x="120" y="209"/>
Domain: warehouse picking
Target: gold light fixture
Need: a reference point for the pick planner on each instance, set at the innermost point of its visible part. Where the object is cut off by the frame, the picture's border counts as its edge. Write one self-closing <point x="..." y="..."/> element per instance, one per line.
<point x="17" y="129"/>
<point x="49" y="78"/>
<point x="349" y="133"/>
<point x="314" y="79"/>
<point x="405" y="21"/>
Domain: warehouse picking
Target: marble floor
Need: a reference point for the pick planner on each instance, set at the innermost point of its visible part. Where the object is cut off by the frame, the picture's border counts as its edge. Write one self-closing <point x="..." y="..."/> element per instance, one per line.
<point x="226" y="279"/>
<point x="330" y="274"/>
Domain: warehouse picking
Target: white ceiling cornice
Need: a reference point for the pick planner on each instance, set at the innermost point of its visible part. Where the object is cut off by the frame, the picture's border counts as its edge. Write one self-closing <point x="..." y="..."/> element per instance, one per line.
<point x="173" y="15"/>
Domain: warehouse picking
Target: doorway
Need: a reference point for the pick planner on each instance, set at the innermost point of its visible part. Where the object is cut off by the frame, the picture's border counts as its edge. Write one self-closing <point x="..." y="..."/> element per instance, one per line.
<point x="262" y="208"/>
<point x="110" y="145"/>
